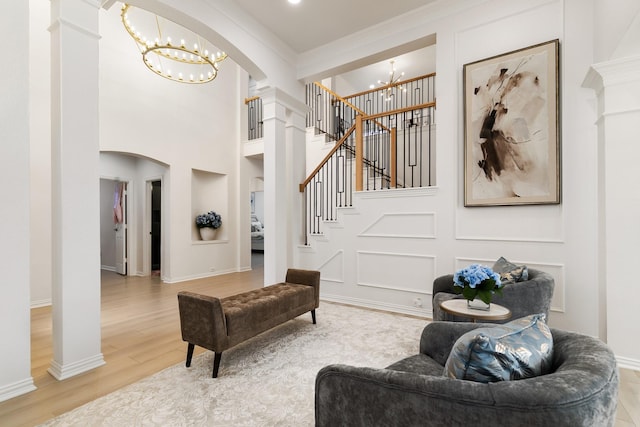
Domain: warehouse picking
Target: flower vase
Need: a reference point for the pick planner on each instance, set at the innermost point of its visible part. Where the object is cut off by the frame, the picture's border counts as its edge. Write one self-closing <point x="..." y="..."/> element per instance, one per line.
<point x="478" y="304"/>
<point x="208" y="233"/>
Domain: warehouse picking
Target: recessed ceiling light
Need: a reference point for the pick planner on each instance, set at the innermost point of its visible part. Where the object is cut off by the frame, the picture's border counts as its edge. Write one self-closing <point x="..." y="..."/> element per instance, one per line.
<point x="294" y="1"/>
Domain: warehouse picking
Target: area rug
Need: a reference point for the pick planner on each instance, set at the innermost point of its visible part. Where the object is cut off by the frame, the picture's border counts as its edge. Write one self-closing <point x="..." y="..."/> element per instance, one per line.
<point x="266" y="381"/>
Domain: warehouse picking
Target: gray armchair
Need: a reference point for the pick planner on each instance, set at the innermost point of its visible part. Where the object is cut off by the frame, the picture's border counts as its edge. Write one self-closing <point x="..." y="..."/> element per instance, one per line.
<point x="581" y="389"/>
<point x="532" y="296"/>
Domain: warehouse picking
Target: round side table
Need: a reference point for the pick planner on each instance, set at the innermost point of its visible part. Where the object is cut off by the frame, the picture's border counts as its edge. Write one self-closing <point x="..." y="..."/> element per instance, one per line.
<point x="458" y="307"/>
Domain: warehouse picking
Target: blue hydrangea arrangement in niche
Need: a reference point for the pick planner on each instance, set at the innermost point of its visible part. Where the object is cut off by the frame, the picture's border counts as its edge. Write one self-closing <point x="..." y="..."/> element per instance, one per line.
<point x="210" y="219"/>
<point x="208" y="225"/>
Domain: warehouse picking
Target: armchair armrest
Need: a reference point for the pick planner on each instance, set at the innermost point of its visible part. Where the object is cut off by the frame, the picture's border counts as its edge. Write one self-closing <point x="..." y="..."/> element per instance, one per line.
<point x="358" y="396"/>
<point x="202" y="321"/>
<point x="438" y="338"/>
<point x="305" y="277"/>
<point x="443" y="284"/>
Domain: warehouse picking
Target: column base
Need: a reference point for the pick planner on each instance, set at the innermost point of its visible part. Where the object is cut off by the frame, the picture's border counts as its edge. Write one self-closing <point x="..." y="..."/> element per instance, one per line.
<point x="16" y="389"/>
<point x="62" y="372"/>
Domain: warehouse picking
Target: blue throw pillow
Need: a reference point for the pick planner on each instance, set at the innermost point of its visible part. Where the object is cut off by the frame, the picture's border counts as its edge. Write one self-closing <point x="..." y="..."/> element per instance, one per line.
<point x="519" y="349"/>
<point x="510" y="272"/>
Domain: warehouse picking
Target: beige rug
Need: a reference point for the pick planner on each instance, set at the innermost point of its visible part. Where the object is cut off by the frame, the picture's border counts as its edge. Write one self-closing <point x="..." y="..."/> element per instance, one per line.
<point x="266" y="381"/>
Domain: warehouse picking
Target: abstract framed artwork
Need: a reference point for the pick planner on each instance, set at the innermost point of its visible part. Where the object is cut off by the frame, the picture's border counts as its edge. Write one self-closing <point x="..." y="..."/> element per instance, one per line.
<point x="511" y="128"/>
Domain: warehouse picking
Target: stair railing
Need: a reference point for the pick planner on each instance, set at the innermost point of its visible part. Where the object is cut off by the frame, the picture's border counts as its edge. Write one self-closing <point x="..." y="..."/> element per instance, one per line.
<point x="392" y="149"/>
<point x="329" y="113"/>
<point x="254" y="117"/>
<point x="330" y="185"/>
<point x="385" y="139"/>
<point x="396" y="96"/>
<point x="402" y="155"/>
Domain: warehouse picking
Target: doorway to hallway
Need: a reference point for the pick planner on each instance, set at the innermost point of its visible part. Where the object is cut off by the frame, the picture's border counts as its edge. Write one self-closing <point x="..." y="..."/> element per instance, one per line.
<point x="114" y="238"/>
<point x="156" y="229"/>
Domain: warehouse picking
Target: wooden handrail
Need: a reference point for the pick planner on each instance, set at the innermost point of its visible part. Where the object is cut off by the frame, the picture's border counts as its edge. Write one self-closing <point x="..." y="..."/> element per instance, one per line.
<point x="426" y="76"/>
<point x="401" y="110"/>
<point x="344" y="101"/>
<point x="326" y="158"/>
<point x="248" y="100"/>
<point x="352" y="129"/>
<point x="338" y="97"/>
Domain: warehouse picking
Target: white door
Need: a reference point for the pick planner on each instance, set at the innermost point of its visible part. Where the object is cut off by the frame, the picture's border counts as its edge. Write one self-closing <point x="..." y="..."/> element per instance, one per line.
<point x="121" y="231"/>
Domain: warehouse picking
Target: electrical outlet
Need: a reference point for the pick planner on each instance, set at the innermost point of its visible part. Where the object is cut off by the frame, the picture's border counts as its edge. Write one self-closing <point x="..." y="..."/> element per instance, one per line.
<point x="417" y="302"/>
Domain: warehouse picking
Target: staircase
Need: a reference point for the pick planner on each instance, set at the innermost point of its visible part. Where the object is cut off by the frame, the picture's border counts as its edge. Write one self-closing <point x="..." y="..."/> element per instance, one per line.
<point x="384" y="139"/>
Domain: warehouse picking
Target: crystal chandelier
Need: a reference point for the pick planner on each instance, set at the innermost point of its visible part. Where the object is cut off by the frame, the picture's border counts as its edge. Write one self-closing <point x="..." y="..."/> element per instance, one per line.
<point x="171" y="50"/>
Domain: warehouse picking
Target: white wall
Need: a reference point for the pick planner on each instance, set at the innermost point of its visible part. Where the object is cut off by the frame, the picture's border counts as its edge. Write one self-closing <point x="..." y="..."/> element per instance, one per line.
<point x="40" y="150"/>
<point x="15" y="213"/>
<point x="183" y="126"/>
<point x="434" y="233"/>
<point x="614" y="18"/>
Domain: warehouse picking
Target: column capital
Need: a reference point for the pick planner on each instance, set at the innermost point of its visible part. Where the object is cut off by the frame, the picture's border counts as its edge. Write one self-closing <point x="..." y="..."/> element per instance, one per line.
<point x="617" y="85"/>
<point x="614" y="72"/>
<point x="82" y="14"/>
<point x="272" y="95"/>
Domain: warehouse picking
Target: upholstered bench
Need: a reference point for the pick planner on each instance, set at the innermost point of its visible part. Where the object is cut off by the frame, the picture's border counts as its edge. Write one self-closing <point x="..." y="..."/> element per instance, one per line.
<point x="219" y="324"/>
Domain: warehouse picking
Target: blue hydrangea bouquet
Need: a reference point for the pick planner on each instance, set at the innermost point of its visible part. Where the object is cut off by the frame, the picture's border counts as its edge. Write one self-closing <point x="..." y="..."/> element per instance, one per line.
<point x="477" y="281"/>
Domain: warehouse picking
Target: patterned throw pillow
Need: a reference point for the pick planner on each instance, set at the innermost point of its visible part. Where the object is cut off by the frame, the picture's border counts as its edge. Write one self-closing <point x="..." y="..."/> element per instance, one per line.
<point x="519" y="349"/>
<point x="509" y="272"/>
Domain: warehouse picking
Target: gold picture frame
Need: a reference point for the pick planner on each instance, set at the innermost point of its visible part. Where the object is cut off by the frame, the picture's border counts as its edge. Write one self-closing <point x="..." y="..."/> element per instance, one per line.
<point x="511" y="128"/>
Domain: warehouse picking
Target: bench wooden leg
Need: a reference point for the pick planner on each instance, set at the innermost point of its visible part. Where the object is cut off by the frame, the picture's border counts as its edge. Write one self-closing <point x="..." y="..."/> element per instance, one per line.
<point x="216" y="364"/>
<point x="190" y="348"/>
<point x="313" y="316"/>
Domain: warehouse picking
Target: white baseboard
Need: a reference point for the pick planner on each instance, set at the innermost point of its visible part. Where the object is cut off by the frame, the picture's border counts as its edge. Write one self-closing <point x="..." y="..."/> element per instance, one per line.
<point x="377" y="305"/>
<point x="41" y="303"/>
<point x="108" y="268"/>
<point x="18" y="388"/>
<point x="197" y="276"/>
<point x="625" y="362"/>
<point x="61" y="372"/>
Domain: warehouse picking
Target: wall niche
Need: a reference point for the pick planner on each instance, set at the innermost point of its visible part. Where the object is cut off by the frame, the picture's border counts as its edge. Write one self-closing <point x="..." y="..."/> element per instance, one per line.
<point x="209" y="192"/>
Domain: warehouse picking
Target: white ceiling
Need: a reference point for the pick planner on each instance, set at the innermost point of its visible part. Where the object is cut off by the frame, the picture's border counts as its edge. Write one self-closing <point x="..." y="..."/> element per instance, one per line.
<point x="413" y="64"/>
<point x="313" y="23"/>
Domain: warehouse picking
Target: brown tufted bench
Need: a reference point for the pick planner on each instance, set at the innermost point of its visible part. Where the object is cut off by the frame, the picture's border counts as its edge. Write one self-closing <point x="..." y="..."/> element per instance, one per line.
<point x="219" y="324"/>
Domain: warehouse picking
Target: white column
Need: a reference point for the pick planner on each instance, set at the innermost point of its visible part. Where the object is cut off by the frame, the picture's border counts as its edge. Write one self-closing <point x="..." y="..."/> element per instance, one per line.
<point x="617" y="83"/>
<point x="296" y="174"/>
<point x="15" y="321"/>
<point x="275" y="199"/>
<point x="75" y="187"/>
<point x="284" y="139"/>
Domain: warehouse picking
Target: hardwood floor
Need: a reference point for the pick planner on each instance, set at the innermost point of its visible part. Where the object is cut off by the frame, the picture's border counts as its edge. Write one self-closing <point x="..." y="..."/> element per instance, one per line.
<point x="141" y="336"/>
<point x="628" y="414"/>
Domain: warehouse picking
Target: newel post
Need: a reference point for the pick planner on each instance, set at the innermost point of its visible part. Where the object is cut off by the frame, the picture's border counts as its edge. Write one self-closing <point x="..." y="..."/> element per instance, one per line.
<point x="359" y="152"/>
<point x="393" y="157"/>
